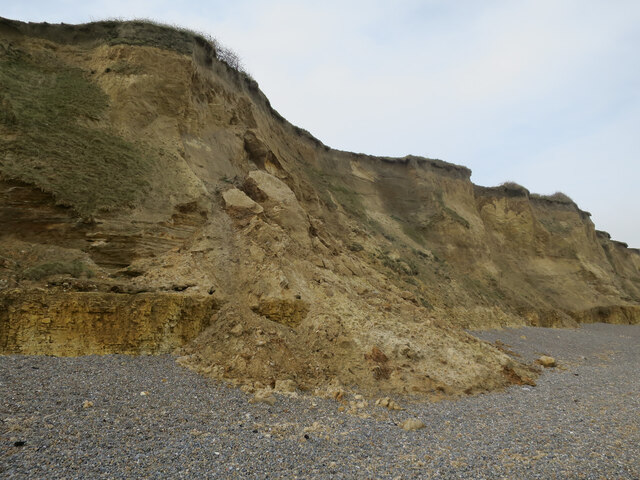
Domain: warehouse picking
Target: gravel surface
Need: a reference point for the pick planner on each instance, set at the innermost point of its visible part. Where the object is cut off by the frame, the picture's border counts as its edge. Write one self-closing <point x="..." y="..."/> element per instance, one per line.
<point x="582" y="420"/>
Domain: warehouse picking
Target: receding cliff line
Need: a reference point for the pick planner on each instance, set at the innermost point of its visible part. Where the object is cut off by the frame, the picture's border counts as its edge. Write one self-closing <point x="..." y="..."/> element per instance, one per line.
<point x="152" y="200"/>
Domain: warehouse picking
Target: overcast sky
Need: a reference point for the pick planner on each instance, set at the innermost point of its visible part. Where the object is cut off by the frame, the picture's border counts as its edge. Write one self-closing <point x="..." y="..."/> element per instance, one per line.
<point x="545" y="93"/>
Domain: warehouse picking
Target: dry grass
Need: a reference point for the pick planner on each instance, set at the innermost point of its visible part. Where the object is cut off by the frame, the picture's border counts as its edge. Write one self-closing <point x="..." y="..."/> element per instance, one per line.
<point x="139" y="32"/>
<point x="515" y="187"/>
<point x="76" y="268"/>
<point x="557" y="197"/>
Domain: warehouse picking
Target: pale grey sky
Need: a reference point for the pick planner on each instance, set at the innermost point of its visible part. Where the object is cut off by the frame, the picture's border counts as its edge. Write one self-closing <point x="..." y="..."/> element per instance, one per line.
<point x="542" y="92"/>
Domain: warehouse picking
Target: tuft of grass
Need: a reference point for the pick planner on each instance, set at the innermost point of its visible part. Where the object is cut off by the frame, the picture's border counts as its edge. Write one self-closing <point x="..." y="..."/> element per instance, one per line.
<point x="90" y="169"/>
<point x="511" y="185"/>
<point x="515" y="187"/>
<point x="411" y="230"/>
<point x="561" y="197"/>
<point x="404" y="266"/>
<point x="355" y="247"/>
<point x="557" y="197"/>
<point x="75" y="268"/>
<point x="456" y="217"/>
<point x="148" y="32"/>
<point x="425" y="303"/>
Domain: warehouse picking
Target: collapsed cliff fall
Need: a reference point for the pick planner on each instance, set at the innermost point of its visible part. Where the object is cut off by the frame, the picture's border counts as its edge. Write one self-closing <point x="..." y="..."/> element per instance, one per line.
<point x="151" y="198"/>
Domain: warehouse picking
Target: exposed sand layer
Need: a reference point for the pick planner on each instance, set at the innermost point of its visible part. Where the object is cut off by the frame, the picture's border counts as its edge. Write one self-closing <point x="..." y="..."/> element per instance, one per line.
<point x="151" y="198"/>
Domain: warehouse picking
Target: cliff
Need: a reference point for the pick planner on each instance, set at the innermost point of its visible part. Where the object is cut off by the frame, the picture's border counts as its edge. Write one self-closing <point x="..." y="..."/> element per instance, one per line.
<point x="151" y="197"/>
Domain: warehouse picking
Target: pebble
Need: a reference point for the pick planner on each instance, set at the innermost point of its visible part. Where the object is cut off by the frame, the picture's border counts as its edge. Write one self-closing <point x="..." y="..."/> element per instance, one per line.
<point x="579" y="421"/>
<point x="411" y="424"/>
<point x="388" y="403"/>
<point x="546" y="361"/>
<point x="263" y="396"/>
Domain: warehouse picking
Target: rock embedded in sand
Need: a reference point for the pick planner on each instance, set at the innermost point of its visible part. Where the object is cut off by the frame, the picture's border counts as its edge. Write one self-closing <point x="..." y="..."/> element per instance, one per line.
<point x="412" y="424"/>
<point x="239" y="204"/>
<point x="237" y="330"/>
<point x="263" y="396"/>
<point x="546" y="361"/>
<point x="377" y="355"/>
<point x="387" y="403"/>
<point x="287" y="386"/>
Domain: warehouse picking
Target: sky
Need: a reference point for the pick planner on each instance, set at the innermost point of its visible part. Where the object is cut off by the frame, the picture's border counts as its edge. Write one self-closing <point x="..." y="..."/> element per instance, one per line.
<point x="545" y="93"/>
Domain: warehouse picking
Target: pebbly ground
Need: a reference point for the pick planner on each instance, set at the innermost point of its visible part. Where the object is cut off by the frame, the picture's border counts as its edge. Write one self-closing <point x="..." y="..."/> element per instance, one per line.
<point x="582" y="420"/>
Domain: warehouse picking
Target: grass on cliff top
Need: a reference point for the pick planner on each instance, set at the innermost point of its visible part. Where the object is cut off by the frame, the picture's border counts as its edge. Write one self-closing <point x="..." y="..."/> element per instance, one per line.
<point x="45" y="107"/>
<point x="557" y="197"/>
<point x="515" y="187"/>
<point x="147" y="32"/>
<point x="136" y="32"/>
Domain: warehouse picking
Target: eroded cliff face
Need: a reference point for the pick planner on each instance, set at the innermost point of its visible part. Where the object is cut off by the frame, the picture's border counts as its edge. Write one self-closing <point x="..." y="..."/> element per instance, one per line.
<point x="88" y="323"/>
<point x="180" y="209"/>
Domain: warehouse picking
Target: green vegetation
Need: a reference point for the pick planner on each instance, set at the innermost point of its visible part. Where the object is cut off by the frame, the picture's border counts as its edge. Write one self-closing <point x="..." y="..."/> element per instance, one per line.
<point x="146" y="32"/>
<point x="411" y="230"/>
<point x="49" y="106"/>
<point x="555" y="226"/>
<point x="515" y="187"/>
<point x="404" y="266"/>
<point x="456" y="217"/>
<point x="511" y="185"/>
<point x="75" y="268"/>
<point x="561" y="198"/>
<point x="445" y="213"/>
<point x="355" y="247"/>
<point x="425" y="303"/>
<point x="349" y="200"/>
<point x="137" y="32"/>
<point x="7" y="115"/>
